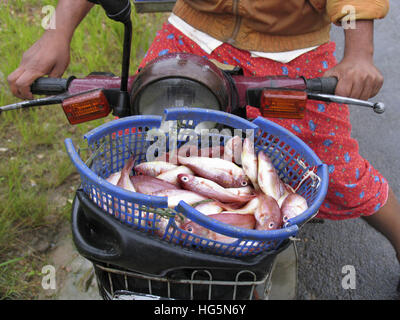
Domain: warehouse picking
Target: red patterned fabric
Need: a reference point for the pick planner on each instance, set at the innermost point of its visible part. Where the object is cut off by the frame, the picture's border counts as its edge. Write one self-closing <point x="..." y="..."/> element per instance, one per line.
<point x="355" y="187"/>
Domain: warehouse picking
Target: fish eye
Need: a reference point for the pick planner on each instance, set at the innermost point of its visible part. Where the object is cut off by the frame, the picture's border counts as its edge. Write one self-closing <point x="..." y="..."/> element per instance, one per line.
<point x="185" y="179"/>
<point x="285" y="218"/>
<point x="244" y="183"/>
<point x="271" y="225"/>
<point x="189" y="229"/>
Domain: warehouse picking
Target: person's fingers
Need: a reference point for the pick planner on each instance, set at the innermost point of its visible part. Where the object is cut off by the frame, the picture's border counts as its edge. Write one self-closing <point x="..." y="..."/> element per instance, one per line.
<point x="12" y="78"/>
<point x="368" y="88"/>
<point x="344" y="87"/>
<point x="57" y="71"/>
<point x="357" y="88"/>
<point x="24" y="82"/>
<point x="377" y="86"/>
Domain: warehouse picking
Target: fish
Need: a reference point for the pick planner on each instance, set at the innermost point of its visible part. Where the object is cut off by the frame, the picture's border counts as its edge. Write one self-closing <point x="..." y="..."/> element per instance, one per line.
<point x="293" y="206"/>
<point x="210" y="189"/>
<point x="171" y="176"/>
<point x="114" y="178"/>
<point x="288" y="190"/>
<point x="268" y="214"/>
<point x="148" y="184"/>
<point x="162" y="225"/>
<point x="223" y="172"/>
<point x="250" y="162"/>
<point x="209" y="208"/>
<point x="125" y="181"/>
<point x="268" y="178"/>
<point x="175" y="196"/>
<point x="154" y="168"/>
<point x="236" y="220"/>
<point x="233" y="150"/>
<point x="249" y="208"/>
<point x="242" y="190"/>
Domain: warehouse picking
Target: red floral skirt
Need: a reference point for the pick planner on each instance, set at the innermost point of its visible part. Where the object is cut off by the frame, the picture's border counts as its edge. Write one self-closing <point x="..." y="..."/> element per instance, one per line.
<point x="355" y="187"/>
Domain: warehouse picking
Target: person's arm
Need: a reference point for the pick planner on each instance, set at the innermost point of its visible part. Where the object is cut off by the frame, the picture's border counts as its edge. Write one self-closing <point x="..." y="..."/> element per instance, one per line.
<point x="358" y="77"/>
<point x="50" y="55"/>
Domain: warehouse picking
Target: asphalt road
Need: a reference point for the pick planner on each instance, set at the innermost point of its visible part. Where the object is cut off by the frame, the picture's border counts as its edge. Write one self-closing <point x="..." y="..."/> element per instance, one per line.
<point x="326" y="248"/>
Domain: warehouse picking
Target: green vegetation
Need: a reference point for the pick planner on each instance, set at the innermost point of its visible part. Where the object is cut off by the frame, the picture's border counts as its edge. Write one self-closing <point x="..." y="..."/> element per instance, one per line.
<point x="37" y="180"/>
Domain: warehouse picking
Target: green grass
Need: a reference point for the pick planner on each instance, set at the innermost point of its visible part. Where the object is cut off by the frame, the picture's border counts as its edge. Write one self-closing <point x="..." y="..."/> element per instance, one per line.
<point x="37" y="179"/>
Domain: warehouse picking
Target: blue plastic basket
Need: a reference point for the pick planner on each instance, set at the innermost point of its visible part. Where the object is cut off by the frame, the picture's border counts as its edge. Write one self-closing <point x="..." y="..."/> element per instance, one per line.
<point x="113" y="143"/>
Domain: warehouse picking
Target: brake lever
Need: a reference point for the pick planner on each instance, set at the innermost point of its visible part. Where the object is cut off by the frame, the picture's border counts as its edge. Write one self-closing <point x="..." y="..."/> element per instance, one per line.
<point x="52" y="100"/>
<point x="378" y="107"/>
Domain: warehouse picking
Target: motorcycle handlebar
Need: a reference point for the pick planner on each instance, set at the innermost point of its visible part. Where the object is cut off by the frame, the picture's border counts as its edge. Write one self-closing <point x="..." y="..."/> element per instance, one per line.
<point x="50" y="86"/>
<point x="326" y="85"/>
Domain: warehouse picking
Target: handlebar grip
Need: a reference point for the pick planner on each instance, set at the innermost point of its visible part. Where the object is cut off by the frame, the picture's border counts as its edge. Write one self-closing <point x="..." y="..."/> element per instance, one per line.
<point x="50" y="86"/>
<point x="326" y="85"/>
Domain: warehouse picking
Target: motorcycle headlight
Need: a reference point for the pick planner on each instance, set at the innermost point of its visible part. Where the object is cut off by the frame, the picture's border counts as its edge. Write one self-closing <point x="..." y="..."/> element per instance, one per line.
<point x="174" y="92"/>
<point x="179" y="80"/>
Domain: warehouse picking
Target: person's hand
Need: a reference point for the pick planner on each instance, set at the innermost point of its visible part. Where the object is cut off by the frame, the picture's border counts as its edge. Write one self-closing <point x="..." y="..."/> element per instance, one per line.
<point x="357" y="75"/>
<point x="50" y="55"/>
<point x="357" y="78"/>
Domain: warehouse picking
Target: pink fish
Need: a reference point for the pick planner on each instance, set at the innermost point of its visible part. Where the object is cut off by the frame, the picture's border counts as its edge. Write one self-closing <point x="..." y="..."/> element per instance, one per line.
<point x="249" y="208"/>
<point x="175" y="196"/>
<point x="237" y="220"/>
<point x="293" y="206"/>
<point x="233" y="150"/>
<point x="268" y="178"/>
<point x="171" y="176"/>
<point x="149" y="185"/>
<point x="154" y="168"/>
<point x="250" y="162"/>
<point x="209" y="208"/>
<point x="114" y="178"/>
<point x="210" y="189"/>
<point x="268" y="214"/>
<point x="242" y="190"/>
<point x="288" y="190"/>
<point x="125" y="181"/>
<point x="223" y="172"/>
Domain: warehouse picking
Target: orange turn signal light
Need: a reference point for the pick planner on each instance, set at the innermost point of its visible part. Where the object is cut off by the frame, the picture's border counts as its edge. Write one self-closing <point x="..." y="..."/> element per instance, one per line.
<point x="281" y="103"/>
<point x="86" y="107"/>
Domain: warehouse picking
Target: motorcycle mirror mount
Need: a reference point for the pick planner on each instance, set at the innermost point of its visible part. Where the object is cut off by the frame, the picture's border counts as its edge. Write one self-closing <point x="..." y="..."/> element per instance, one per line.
<point x="120" y="11"/>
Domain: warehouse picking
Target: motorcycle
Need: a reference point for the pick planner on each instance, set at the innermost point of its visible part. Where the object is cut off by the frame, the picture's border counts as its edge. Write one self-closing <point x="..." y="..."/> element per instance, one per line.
<point x="174" y="81"/>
